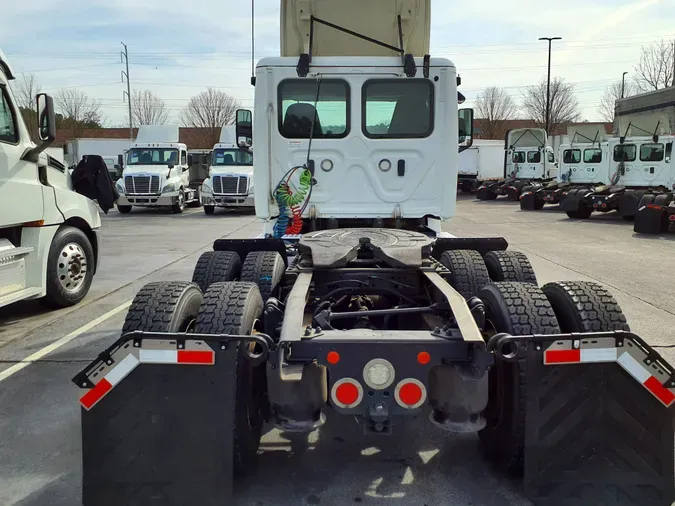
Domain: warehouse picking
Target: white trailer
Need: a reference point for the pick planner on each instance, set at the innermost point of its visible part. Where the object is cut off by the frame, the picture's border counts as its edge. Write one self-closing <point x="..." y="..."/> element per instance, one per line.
<point x="48" y="242"/>
<point x="230" y="180"/>
<point x="108" y="149"/>
<point x="482" y="162"/>
<point x="157" y="172"/>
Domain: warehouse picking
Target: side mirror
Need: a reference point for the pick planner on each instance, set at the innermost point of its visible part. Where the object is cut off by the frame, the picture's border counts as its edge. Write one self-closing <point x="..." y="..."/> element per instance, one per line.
<point x="244" y="128"/>
<point x="465" y="132"/>
<point x="46" y="118"/>
<point x="120" y="161"/>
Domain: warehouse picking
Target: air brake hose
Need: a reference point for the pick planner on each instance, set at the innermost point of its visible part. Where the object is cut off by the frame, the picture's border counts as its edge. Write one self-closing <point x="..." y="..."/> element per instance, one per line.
<point x="289" y="202"/>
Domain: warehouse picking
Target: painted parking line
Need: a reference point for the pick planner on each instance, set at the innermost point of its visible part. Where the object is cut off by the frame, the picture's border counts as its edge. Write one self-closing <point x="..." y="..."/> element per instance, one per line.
<point x="64" y="340"/>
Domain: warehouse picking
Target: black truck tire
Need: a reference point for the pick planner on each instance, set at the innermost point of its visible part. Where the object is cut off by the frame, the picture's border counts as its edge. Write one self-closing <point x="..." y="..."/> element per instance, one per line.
<point x="216" y="266"/>
<point x="233" y="308"/>
<point x="663" y="200"/>
<point x="468" y="273"/>
<point x="124" y="209"/>
<point x="517" y="309"/>
<point x="630" y="202"/>
<point x="584" y="306"/>
<point x="163" y="306"/>
<point x="651" y="220"/>
<point x="265" y="269"/>
<point x="486" y="193"/>
<point x="209" y="209"/>
<point x="510" y="266"/>
<point x="70" y="268"/>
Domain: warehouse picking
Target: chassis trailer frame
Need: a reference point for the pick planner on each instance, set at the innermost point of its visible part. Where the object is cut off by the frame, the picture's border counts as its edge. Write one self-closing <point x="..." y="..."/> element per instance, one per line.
<point x="144" y="393"/>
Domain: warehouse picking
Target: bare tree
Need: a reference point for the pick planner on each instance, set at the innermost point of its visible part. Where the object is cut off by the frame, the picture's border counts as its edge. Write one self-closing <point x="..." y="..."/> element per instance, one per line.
<point x="78" y="110"/>
<point x="494" y="107"/>
<point x="612" y="94"/>
<point x="148" y="109"/>
<point x="655" y="69"/>
<point x="25" y="89"/>
<point x="564" y="108"/>
<point x="209" y="111"/>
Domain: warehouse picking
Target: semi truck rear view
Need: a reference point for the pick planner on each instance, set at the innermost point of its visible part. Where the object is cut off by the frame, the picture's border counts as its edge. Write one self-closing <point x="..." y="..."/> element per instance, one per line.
<point x="355" y="303"/>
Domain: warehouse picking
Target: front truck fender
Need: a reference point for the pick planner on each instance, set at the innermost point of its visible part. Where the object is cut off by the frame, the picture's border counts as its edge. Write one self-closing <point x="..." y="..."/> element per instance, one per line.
<point x="40" y="239"/>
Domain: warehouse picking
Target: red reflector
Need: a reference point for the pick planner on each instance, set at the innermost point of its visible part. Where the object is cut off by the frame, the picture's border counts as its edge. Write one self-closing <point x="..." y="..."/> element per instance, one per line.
<point x="562" y="356"/>
<point x="604" y="205"/>
<point x="671" y="217"/>
<point x="654" y="206"/>
<point x="95" y="394"/>
<point x="347" y="394"/>
<point x="410" y="394"/>
<point x="423" y="357"/>
<point x="333" y="357"/>
<point x="663" y="394"/>
<point x="196" y="357"/>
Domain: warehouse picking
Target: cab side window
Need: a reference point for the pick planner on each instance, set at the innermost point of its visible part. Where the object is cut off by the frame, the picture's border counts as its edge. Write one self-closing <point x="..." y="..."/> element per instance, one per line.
<point x="183" y="158"/>
<point x="8" y="130"/>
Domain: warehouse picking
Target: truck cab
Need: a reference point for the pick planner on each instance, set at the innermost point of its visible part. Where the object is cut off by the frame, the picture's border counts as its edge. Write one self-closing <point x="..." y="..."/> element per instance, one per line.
<point x="643" y="161"/>
<point x="48" y="240"/>
<point x="156" y="172"/>
<point x="230" y="180"/>
<point x="527" y="154"/>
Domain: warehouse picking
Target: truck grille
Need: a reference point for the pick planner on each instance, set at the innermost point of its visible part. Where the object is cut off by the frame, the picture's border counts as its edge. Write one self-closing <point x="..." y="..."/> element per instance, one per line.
<point x="230" y="185"/>
<point x="141" y="185"/>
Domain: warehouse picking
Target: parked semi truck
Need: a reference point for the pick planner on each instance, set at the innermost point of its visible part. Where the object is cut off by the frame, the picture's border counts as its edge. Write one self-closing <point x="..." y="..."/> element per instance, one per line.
<point x="48" y="242"/>
<point x="361" y="309"/>
<point x="482" y="163"/>
<point x="583" y="165"/>
<point x="230" y="181"/>
<point x="640" y="165"/>
<point x="528" y="160"/>
<point x="157" y="172"/>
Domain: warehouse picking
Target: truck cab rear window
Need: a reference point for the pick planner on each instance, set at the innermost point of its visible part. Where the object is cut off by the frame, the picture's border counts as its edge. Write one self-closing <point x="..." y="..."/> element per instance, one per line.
<point x="519" y="157"/>
<point x="592" y="155"/>
<point x="398" y="109"/>
<point x="651" y="153"/>
<point x="624" y="153"/>
<point x="299" y="109"/>
<point x="534" y="156"/>
<point x="572" y="156"/>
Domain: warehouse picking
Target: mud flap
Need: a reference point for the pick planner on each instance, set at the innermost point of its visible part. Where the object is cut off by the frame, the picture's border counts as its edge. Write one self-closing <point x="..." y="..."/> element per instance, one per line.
<point x="572" y="201"/>
<point x="161" y="436"/>
<point x="651" y="220"/>
<point x="528" y="201"/>
<point x="595" y="435"/>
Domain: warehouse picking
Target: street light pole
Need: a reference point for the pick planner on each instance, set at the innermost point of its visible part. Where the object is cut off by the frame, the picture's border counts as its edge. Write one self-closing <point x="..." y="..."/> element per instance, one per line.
<point x="548" y="82"/>
<point x="623" y="83"/>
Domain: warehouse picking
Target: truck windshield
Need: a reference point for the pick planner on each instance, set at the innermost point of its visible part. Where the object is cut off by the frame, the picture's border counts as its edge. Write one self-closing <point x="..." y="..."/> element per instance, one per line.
<point x="152" y="156"/>
<point x="232" y="157"/>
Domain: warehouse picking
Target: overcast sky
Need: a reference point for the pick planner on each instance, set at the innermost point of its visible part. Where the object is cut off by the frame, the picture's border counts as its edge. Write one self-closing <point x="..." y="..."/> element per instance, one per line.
<point x="179" y="48"/>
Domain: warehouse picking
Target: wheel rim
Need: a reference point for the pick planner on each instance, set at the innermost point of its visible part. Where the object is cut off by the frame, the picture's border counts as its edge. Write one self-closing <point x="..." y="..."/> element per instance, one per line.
<point x="72" y="267"/>
<point x="181" y="200"/>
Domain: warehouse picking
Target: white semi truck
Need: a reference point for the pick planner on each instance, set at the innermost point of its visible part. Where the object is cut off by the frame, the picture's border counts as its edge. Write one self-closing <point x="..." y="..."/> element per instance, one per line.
<point x="230" y="181"/>
<point x="527" y="160"/>
<point x="482" y="163"/>
<point x="157" y="172"/>
<point x="584" y="164"/>
<point x="365" y="312"/>
<point x="49" y="247"/>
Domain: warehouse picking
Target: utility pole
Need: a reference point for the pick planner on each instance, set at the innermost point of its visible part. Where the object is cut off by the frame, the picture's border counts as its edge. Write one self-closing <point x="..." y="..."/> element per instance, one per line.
<point x="124" y="58"/>
<point x="548" y="85"/>
<point x="623" y="83"/>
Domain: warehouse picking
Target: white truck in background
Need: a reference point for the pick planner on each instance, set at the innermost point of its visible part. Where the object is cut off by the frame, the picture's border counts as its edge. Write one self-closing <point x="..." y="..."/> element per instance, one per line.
<point x="230" y="180"/>
<point x="482" y="162"/>
<point x="48" y="243"/>
<point x="108" y="149"/>
<point x="157" y="172"/>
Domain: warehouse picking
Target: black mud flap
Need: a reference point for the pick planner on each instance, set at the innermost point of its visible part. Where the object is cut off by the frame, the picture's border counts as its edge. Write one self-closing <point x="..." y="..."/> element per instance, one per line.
<point x="161" y="436"/>
<point x="573" y="200"/>
<point x="651" y="220"/>
<point x="528" y="201"/>
<point x="595" y="436"/>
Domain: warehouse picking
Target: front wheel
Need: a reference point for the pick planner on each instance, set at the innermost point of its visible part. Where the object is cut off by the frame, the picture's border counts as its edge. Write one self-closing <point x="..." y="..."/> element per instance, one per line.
<point x="209" y="209"/>
<point x="124" y="209"/>
<point x="179" y="206"/>
<point x="70" y="268"/>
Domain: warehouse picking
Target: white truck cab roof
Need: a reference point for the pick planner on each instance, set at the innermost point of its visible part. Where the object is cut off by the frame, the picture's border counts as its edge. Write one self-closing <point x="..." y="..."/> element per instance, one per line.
<point x="163" y="134"/>
<point x="351" y="62"/>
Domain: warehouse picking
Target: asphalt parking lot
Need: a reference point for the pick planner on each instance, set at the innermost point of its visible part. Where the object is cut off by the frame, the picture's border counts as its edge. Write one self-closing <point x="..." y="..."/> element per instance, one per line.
<point x="418" y="465"/>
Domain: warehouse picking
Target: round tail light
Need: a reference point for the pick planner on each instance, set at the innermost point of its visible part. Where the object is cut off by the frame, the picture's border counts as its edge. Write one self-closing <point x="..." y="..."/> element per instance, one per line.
<point x="410" y="393"/>
<point x="347" y="393"/>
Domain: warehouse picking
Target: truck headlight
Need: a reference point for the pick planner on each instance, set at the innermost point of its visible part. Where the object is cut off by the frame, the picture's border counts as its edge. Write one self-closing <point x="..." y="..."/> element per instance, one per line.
<point x="206" y="188"/>
<point x="120" y="186"/>
<point x="171" y="187"/>
<point x="251" y="190"/>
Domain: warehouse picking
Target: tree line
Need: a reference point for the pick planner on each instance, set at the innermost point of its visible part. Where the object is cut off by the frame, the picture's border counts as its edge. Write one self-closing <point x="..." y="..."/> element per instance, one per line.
<point x="655" y="70"/>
